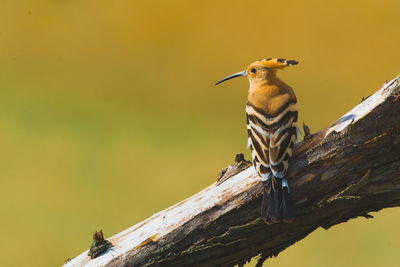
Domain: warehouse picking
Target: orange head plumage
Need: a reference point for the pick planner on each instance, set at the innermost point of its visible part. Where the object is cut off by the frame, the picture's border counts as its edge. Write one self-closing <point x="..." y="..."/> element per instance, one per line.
<point x="261" y="69"/>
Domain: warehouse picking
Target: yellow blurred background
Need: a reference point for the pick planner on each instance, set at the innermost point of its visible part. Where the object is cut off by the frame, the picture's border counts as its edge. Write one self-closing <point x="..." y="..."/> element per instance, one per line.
<point x="108" y="111"/>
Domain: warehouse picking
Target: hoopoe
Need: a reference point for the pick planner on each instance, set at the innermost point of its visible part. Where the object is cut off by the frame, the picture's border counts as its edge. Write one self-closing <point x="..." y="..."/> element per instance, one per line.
<point x="272" y="131"/>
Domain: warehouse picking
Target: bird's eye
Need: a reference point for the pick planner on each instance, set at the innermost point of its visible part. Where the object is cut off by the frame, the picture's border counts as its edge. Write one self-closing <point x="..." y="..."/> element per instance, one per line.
<point x="253" y="70"/>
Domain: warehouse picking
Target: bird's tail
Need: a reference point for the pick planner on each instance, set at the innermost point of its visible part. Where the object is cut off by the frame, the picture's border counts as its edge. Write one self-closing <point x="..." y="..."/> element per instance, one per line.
<point x="276" y="203"/>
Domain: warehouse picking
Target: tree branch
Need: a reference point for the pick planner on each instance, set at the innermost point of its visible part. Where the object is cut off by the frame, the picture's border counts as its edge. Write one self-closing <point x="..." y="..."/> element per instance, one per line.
<point x="344" y="171"/>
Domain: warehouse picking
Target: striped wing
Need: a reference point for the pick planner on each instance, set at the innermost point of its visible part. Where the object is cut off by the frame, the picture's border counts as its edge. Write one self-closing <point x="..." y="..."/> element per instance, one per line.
<point x="271" y="139"/>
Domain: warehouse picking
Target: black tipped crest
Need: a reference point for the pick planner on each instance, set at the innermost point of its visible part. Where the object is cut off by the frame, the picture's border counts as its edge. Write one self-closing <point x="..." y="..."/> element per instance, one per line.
<point x="292" y="62"/>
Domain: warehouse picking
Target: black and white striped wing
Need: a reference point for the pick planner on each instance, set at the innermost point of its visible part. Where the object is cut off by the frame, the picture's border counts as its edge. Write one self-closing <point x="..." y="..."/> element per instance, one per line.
<point x="283" y="135"/>
<point x="272" y="139"/>
<point x="259" y="142"/>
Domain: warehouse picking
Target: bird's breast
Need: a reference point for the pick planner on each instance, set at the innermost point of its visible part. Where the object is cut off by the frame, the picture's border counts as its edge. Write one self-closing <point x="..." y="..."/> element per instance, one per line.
<point x="270" y="104"/>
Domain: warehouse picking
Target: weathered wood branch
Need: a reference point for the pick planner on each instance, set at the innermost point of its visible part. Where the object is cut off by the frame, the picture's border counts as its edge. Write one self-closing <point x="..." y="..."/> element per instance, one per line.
<point x="344" y="171"/>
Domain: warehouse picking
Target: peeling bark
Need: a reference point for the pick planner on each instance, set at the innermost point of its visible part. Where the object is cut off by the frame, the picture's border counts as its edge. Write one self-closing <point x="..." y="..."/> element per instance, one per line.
<point x="344" y="171"/>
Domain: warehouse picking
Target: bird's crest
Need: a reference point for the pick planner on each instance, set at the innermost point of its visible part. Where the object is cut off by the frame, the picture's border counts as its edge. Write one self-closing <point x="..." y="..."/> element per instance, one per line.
<point x="277" y="63"/>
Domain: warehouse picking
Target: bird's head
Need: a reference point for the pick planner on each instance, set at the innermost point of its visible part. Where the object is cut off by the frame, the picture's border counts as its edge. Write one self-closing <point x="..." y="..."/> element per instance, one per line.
<point x="260" y="69"/>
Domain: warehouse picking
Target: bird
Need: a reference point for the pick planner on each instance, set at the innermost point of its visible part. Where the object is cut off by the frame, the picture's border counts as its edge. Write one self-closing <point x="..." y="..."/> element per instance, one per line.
<point x="271" y="113"/>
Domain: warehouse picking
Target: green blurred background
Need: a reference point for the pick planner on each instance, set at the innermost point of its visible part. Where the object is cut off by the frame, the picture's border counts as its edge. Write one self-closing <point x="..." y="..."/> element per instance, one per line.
<point x="108" y="111"/>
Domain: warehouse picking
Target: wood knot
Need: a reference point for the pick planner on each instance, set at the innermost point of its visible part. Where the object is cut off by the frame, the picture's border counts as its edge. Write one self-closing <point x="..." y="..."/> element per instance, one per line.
<point x="307" y="132"/>
<point x="239" y="165"/>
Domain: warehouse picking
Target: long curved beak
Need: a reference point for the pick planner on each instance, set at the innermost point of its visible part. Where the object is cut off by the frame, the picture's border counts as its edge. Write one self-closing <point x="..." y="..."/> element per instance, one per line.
<point x="239" y="74"/>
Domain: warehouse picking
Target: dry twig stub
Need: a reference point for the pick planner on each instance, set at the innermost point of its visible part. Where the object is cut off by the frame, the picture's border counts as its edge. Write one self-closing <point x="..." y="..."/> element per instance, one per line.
<point x="99" y="245"/>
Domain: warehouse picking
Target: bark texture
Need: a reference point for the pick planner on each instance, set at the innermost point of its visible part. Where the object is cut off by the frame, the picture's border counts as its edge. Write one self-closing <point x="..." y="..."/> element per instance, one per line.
<point x="344" y="171"/>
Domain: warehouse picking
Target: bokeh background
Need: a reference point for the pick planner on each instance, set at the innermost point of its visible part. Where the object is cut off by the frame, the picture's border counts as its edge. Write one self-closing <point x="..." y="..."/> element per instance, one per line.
<point x="108" y="111"/>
